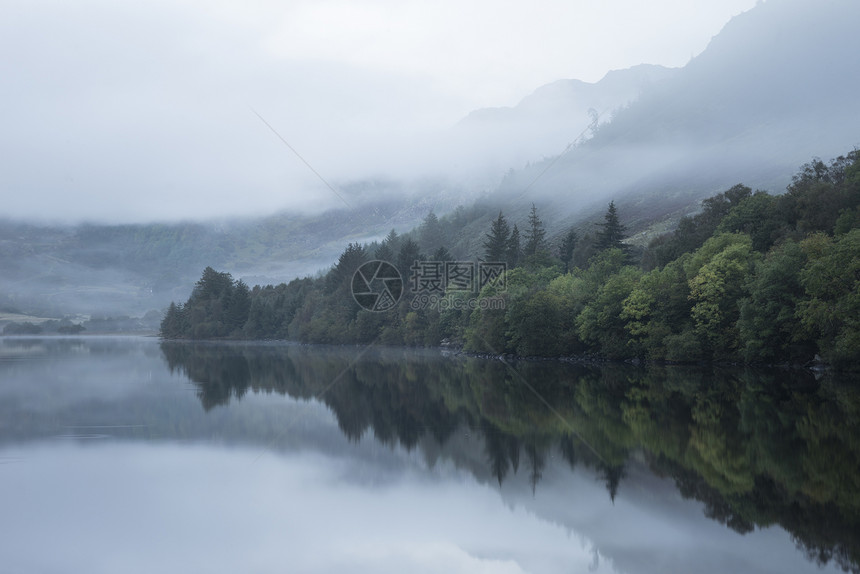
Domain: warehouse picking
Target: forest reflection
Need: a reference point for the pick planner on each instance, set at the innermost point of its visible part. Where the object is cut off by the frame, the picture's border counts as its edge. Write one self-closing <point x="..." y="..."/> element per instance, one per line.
<point x="757" y="447"/>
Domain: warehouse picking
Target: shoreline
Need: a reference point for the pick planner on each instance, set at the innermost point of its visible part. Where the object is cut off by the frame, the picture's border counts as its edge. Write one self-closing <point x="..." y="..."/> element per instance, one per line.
<point x="815" y="367"/>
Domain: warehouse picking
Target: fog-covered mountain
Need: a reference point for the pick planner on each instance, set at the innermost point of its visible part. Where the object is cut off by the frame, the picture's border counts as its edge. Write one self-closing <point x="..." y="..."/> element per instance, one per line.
<point x="776" y="87"/>
<point x="545" y="122"/>
<point x="108" y="270"/>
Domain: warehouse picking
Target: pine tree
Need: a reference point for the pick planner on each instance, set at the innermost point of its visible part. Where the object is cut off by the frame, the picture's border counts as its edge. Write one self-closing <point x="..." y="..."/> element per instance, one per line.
<point x="431" y="233"/>
<point x="514" y="250"/>
<point x="441" y="254"/>
<point x="407" y="256"/>
<point x="611" y="233"/>
<point x="393" y="240"/>
<point x="172" y="326"/>
<point x="384" y="252"/>
<point x="568" y="244"/>
<point x="497" y="242"/>
<point x="348" y="263"/>
<point x="238" y="306"/>
<point x="535" y="235"/>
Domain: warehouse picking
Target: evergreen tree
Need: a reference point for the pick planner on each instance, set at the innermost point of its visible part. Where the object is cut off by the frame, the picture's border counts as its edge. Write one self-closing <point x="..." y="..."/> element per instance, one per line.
<point x="565" y="251"/>
<point x="497" y="242"/>
<point x="238" y="306"/>
<point x="347" y="264"/>
<point x="384" y="252"/>
<point x="431" y="233"/>
<point x="173" y="325"/>
<point x="441" y="254"/>
<point x="514" y="250"/>
<point x="409" y="253"/>
<point x="611" y="233"/>
<point x="535" y="235"/>
<point x="212" y="285"/>
<point x="392" y="240"/>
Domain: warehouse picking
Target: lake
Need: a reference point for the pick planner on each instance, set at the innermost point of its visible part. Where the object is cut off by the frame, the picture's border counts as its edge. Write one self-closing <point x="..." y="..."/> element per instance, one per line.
<point x="133" y="455"/>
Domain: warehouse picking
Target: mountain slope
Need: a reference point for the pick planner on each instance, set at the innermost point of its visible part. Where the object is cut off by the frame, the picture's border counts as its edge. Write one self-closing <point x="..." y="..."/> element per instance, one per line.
<point x="777" y="86"/>
<point x="553" y="116"/>
<point x="130" y="269"/>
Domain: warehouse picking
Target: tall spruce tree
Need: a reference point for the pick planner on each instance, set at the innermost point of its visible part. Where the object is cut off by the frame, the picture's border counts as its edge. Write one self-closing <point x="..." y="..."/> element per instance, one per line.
<point x="535" y="235"/>
<point x="384" y="252"/>
<point x="497" y="241"/>
<point x="514" y="250"/>
<point x="611" y="233"/>
<point x="407" y="255"/>
<point x="565" y="250"/>
<point x="431" y="233"/>
<point x="353" y="257"/>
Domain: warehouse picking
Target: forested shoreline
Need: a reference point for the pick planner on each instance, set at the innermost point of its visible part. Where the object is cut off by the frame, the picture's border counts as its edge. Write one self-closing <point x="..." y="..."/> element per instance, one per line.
<point x="754" y="278"/>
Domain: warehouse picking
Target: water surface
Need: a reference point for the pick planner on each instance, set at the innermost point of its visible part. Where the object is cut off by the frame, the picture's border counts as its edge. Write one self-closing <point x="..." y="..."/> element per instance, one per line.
<point x="126" y="454"/>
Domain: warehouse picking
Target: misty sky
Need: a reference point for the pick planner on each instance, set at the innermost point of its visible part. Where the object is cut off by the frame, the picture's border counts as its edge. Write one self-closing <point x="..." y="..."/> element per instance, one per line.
<point x="132" y="111"/>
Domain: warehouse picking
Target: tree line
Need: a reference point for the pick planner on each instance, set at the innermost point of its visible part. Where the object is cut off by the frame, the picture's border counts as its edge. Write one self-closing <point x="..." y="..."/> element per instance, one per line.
<point x="752" y="277"/>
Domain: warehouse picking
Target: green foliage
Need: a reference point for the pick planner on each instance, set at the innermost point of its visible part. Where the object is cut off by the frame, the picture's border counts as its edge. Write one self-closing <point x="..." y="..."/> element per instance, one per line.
<point x="657" y="312"/>
<point x="692" y="232"/>
<point x="535" y="235"/>
<point x="600" y="323"/>
<point x="497" y="242"/>
<point x="612" y="233"/>
<point x="831" y="311"/>
<point x="768" y="327"/>
<point x="716" y="289"/>
<point x="353" y="257"/>
<point x="819" y="192"/>
<point x="514" y="251"/>
<point x="540" y="323"/>
<point x="742" y="280"/>
<point x="565" y="250"/>
<point x="431" y="233"/>
<point x="407" y="255"/>
<point x="755" y="215"/>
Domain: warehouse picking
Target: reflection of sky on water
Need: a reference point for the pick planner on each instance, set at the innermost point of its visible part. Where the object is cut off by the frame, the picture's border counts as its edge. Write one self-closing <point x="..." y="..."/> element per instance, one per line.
<point x="156" y="508"/>
<point x="134" y="507"/>
<point x="169" y="487"/>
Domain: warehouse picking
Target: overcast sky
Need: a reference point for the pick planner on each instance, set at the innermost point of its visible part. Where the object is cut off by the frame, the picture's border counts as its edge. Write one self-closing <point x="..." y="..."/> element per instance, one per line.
<point x="136" y="111"/>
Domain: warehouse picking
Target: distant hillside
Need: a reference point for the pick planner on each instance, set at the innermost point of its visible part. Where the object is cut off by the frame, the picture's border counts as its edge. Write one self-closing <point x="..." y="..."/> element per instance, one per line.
<point x="776" y="87"/>
<point x="552" y="117"/>
<point x="131" y="269"/>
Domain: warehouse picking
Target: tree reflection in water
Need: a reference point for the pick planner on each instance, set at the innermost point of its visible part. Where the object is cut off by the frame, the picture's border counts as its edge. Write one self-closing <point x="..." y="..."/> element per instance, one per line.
<point x="757" y="447"/>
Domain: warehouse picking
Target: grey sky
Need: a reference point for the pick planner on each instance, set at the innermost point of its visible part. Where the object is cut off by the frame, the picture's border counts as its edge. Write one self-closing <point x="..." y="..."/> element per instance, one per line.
<point x="131" y="111"/>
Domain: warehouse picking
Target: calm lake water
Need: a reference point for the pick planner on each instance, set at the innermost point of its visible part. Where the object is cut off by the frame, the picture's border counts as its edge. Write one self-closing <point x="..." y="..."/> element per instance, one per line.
<point x="131" y="455"/>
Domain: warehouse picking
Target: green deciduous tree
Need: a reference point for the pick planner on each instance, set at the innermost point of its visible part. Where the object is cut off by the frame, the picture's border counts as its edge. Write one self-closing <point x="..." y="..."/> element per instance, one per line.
<point x="658" y="315"/>
<point x="831" y="310"/>
<point x="601" y="323"/>
<point x="717" y="287"/>
<point x="768" y="328"/>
